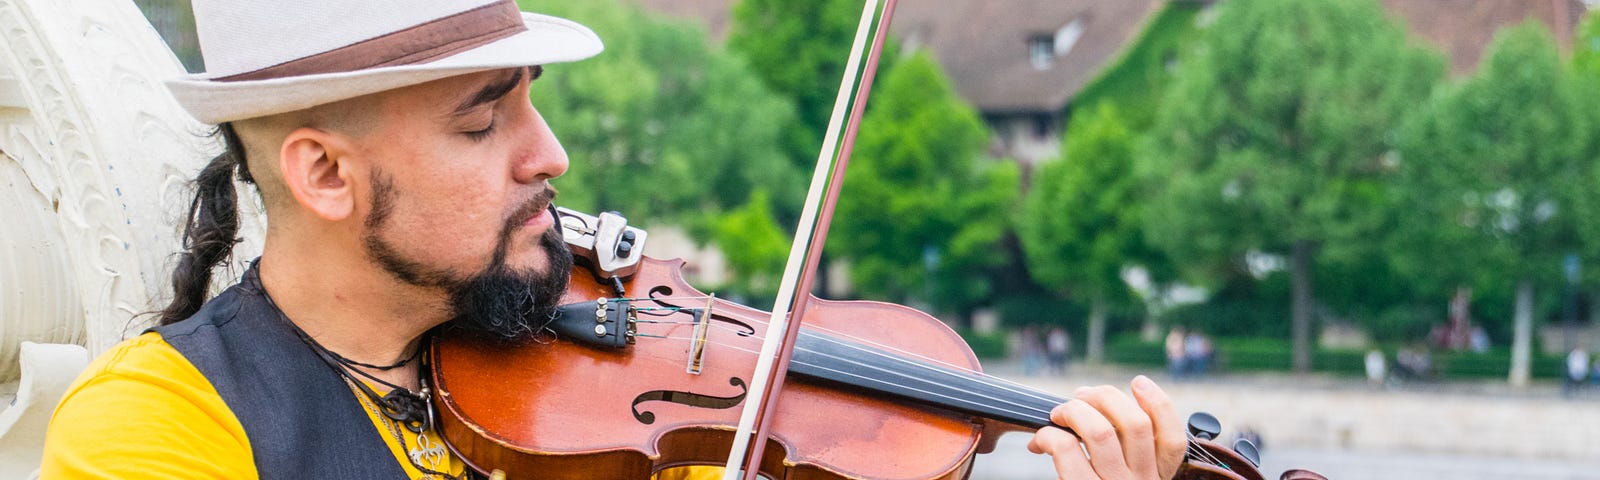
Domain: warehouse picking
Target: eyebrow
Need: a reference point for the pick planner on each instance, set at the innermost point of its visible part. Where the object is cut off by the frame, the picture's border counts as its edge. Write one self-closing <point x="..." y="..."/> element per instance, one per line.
<point x="495" y="91"/>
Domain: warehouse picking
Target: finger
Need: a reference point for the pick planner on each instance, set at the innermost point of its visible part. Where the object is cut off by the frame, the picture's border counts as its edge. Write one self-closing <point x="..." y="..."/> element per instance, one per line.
<point x="1097" y="435"/>
<point x="1131" y="423"/>
<point x="1171" y="435"/>
<point x="1066" y="452"/>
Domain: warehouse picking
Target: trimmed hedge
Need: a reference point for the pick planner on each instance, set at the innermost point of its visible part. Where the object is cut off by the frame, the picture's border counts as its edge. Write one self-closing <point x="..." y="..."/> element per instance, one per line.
<point x="1270" y="354"/>
<point x="993" y="345"/>
<point x="1128" y="350"/>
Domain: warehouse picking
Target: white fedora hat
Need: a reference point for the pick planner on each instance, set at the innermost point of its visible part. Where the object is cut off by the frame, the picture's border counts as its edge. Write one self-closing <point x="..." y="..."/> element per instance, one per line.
<point x="265" y="57"/>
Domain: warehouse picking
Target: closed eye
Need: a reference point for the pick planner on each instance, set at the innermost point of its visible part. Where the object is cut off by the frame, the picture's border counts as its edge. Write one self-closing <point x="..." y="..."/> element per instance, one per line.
<point x="479" y="135"/>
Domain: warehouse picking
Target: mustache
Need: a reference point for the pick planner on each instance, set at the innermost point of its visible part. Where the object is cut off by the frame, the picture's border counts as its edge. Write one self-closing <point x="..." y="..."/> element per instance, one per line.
<point x="531" y="208"/>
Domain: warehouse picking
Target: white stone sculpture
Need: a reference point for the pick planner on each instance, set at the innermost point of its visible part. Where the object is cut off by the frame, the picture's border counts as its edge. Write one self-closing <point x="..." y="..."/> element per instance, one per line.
<point x="95" y="160"/>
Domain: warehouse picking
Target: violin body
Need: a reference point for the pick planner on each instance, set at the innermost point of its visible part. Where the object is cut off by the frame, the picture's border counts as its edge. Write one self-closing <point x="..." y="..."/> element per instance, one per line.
<point x="640" y="372"/>
<point x="559" y="409"/>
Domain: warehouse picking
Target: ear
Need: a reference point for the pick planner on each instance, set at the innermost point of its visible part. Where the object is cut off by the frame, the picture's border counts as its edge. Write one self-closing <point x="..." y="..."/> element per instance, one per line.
<point x="318" y="172"/>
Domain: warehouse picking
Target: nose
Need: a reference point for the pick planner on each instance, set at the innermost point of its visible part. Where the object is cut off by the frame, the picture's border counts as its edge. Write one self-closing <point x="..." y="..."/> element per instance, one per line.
<point x="539" y="156"/>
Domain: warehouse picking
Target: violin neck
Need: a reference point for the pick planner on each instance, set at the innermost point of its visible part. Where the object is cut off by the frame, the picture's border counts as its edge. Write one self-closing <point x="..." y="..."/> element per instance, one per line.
<point x="918" y="380"/>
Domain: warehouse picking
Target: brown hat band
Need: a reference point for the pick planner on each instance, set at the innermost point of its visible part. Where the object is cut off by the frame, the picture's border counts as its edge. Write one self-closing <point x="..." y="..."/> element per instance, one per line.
<point x="419" y="44"/>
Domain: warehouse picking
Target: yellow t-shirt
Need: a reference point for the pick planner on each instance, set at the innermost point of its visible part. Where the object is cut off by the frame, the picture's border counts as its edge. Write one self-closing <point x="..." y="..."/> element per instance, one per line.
<point x="142" y="410"/>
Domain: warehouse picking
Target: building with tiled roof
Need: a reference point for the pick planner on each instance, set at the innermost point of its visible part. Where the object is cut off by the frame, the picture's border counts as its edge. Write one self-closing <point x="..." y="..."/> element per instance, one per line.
<point x="1020" y="62"/>
<point x="1463" y="29"/>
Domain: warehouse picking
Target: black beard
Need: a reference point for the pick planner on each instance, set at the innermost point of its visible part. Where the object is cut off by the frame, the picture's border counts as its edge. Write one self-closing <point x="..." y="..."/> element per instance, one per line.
<point x="498" y="303"/>
<point x="506" y="305"/>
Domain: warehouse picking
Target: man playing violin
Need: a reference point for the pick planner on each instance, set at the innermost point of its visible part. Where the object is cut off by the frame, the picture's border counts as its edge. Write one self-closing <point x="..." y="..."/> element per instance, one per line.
<point x="406" y="178"/>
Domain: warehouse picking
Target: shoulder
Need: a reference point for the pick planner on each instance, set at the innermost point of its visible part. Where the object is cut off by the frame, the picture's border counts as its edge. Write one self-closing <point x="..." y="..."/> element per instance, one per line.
<point x="216" y="312"/>
<point x="141" y="409"/>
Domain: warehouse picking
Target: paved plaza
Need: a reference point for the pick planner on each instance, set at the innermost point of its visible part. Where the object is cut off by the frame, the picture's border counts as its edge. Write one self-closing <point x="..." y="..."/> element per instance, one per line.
<point x="1012" y="462"/>
<point x="1348" y="430"/>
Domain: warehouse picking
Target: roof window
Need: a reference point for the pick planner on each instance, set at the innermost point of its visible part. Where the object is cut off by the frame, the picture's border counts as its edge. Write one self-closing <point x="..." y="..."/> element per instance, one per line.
<point x="1044" y="48"/>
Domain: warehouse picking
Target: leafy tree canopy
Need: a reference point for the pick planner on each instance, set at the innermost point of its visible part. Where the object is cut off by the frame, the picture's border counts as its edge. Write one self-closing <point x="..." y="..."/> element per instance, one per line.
<point x="1129" y="83"/>
<point x="1079" y="225"/>
<point x="922" y="212"/>
<point x="1273" y="139"/>
<point x="798" y="49"/>
<point x="1586" y="47"/>
<point x="1080" y="222"/>
<point x="760" y="248"/>
<point x="1498" y="175"/>
<point x="660" y="126"/>
<point x="1275" y="129"/>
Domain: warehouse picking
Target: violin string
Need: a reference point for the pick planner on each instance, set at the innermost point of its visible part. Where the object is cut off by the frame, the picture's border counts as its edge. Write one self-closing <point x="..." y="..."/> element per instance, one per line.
<point x="979" y="396"/>
<point x="1034" y="410"/>
<point x="678" y="298"/>
<point x="1044" y="412"/>
<point x="1190" y="446"/>
<point x="1013" y="387"/>
<point x="997" y="382"/>
<point x="669" y="322"/>
<point x="991" y="381"/>
<point x="861" y="346"/>
<point x="1002" y="383"/>
<point x="861" y="343"/>
<point x="912" y="364"/>
<point x="1202" y="453"/>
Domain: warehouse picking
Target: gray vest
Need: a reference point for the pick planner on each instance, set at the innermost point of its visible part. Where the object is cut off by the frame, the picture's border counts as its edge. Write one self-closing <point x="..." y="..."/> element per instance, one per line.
<point x="302" y="419"/>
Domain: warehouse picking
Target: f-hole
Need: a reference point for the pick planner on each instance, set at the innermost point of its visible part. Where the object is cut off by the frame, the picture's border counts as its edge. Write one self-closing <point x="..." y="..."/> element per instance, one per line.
<point x="688" y="398"/>
<point x="661" y="293"/>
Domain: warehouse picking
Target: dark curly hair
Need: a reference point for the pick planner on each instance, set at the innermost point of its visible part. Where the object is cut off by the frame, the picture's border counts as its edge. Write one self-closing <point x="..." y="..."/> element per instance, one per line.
<point x="211" y="228"/>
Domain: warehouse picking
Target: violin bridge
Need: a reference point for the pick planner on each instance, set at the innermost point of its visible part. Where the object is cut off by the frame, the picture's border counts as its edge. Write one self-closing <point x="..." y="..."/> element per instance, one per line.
<point x="697" y="344"/>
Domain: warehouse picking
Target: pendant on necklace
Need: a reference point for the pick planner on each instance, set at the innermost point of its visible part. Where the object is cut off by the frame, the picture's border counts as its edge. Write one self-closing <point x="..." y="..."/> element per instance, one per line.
<point x="407" y="409"/>
<point x="427" y="452"/>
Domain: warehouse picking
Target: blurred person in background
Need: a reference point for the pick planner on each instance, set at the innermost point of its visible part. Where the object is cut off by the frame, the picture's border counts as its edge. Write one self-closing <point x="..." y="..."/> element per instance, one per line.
<point x="1577" y="371"/>
<point x="1177" y="364"/>
<point x="1058" y="349"/>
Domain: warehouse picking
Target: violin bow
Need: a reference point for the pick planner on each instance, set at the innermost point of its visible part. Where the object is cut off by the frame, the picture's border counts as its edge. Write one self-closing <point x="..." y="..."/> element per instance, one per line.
<point x="799" y="273"/>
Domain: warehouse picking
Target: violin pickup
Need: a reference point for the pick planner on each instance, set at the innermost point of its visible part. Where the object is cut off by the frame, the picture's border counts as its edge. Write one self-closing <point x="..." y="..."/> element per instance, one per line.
<point x="605" y="242"/>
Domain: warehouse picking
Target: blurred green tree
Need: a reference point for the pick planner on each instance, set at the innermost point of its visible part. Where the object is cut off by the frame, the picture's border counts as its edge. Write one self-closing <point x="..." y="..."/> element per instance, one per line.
<point x="922" y="212"/>
<point x="798" y="49"/>
<point x="1586" y="47"/>
<point x="1080" y="225"/>
<point x="174" y="20"/>
<point x="1272" y="139"/>
<point x="661" y="126"/>
<point x="666" y="129"/>
<point x="1145" y="67"/>
<point x="1498" y="176"/>
<point x="758" y="249"/>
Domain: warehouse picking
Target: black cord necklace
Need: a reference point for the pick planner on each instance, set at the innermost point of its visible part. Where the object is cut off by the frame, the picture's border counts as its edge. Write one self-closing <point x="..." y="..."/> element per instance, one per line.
<point x="408" y="408"/>
<point x="413" y="410"/>
<point x="348" y="362"/>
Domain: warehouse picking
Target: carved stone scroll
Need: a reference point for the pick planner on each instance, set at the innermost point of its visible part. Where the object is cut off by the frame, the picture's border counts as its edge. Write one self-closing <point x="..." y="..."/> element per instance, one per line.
<point x="99" y="157"/>
<point x="95" y="163"/>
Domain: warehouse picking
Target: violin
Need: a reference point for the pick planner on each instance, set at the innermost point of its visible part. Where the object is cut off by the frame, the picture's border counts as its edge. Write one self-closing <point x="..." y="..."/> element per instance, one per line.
<point x="639" y="371"/>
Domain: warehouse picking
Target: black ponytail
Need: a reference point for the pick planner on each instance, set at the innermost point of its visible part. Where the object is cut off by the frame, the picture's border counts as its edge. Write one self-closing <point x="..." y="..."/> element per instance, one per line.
<point x="211" y="228"/>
